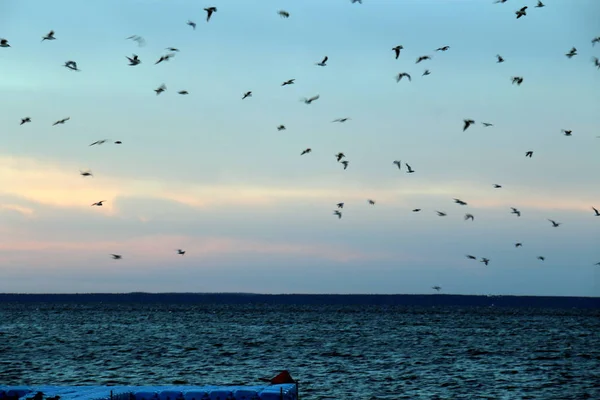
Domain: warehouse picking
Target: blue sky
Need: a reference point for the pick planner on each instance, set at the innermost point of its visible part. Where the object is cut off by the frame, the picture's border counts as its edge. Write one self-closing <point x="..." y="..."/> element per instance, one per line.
<point x="211" y="174"/>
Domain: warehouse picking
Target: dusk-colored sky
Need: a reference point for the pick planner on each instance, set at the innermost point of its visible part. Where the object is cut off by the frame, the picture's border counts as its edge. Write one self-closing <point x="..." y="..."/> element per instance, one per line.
<point x="211" y="174"/>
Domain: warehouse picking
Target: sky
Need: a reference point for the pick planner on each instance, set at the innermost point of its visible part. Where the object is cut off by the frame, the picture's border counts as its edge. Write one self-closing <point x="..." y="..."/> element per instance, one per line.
<point x="211" y="174"/>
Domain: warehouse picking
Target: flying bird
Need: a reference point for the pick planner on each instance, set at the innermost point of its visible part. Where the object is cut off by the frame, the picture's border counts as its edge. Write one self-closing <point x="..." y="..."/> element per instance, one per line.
<point x="567" y="132"/>
<point x="306" y="151"/>
<point x="160" y="89"/>
<point x="99" y="142"/>
<point x="340" y="205"/>
<point x="356" y="1"/>
<point x="596" y="212"/>
<point x="423" y="58"/>
<point x="541" y="258"/>
<point x="281" y="128"/>
<point x="61" y="121"/>
<point x="402" y="75"/>
<point x="49" y="36"/>
<point x="441" y="214"/>
<point x="138" y="39"/>
<point x="497" y="186"/>
<point x="116" y="256"/>
<point x="571" y="53"/>
<point x="416" y="210"/>
<point x="72" y="65"/>
<point x="134" y="60"/>
<point x="426" y="72"/>
<point x="499" y="58"/>
<point x="521" y="13"/>
<point x="342" y="120"/>
<point x="180" y="252"/>
<point x="467" y="124"/>
<point x="4" y="43"/>
<point x="595" y="40"/>
<point x="183" y="92"/>
<point x="529" y="154"/>
<point x="485" y="260"/>
<point x="288" y="82"/>
<point x="437" y="288"/>
<point x="397" y="50"/>
<point x="470" y="257"/>
<point x="409" y="169"/>
<point x="540" y="4"/>
<point x="469" y="217"/>
<point x="519" y="244"/>
<point x="283" y="14"/>
<point x="555" y="224"/>
<point x="459" y="201"/>
<point x="444" y="48"/>
<point x="517" y="79"/>
<point x="515" y="211"/>
<point x="98" y="203"/>
<point x="166" y="57"/>
<point x="209" y="12"/>
<point x="323" y="63"/>
<point x="173" y="49"/>
<point x="339" y="156"/>
<point x="596" y="62"/>
<point x="310" y="100"/>
<point x="345" y="164"/>
<point x="398" y="163"/>
<point x="192" y="24"/>
<point x="487" y="124"/>
<point x="371" y="202"/>
<point x="25" y="120"/>
<point x="338" y="213"/>
<point x="118" y="142"/>
<point x="247" y="94"/>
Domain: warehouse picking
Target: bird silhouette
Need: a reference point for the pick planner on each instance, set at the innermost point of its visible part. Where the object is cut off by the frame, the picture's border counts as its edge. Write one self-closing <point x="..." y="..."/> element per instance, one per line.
<point x="4" y="43"/>
<point x="596" y="212"/>
<point x="61" y="121"/>
<point x="283" y="14"/>
<point x="134" y="60"/>
<point x="311" y="99"/>
<point x="306" y="151"/>
<point x="467" y="124"/>
<point x="409" y="170"/>
<point x="98" y="203"/>
<point x="49" y="36"/>
<point x="192" y="24"/>
<point x="515" y="211"/>
<point x="517" y="79"/>
<point x="25" y="120"/>
<point x="499" y="59"/>
<point x="529" y="154"/>
<point x="484" y="260"/>
<point x="180" y="252"/>
<point x="521" y="13"/>
<point x="209" y="12"/>
<point x="540" y="4"/>
<point x="555" y="224"/>
<point x="402" y="75"/>
<point x="323" y="63"/>
<point x="397" y="50"/>
<point x="338" y="213"/>
<point x="422" y="58"/>
<point x="116" y="256"/>
<point x="288" y="82"/>
<point x="247" y="94"/>
<point x="571" y="53"/>
<point x="469" y="217"/>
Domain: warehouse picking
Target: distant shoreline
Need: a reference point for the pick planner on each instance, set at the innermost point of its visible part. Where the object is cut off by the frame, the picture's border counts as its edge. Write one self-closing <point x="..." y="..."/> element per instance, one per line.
<point x="427" y="300"/>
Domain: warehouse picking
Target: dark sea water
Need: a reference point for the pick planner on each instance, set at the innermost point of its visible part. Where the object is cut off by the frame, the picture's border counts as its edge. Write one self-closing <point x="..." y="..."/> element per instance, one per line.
<point x="337" y="352"/>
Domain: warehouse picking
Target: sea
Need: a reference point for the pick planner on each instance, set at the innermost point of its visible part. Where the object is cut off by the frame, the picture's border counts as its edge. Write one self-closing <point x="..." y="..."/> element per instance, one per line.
<point x="335" y="351"/>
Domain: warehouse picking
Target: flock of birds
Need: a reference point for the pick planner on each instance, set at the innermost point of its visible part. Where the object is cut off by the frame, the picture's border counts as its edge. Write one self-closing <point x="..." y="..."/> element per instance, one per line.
<point x="135" y="60"/>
